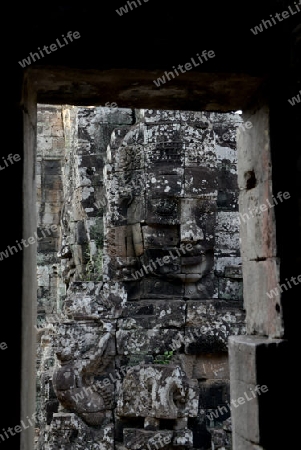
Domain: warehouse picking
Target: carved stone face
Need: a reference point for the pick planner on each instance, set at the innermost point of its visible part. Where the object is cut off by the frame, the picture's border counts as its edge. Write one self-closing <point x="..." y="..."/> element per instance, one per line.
<point x="162" y="192"/>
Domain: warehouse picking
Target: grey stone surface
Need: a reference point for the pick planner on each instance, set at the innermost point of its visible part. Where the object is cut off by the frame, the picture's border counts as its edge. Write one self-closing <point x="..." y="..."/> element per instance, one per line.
<point x="255" y="377"/>
<point x="141" y="286"/>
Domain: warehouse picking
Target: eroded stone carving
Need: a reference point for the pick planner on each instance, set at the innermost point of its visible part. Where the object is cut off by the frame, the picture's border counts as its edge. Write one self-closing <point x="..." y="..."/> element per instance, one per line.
<point x="164" y="392"/>
<point x="161" y="188"/>
<point x="171" y="184"/>
<point x="72" y="380"/>
<point x="68" y="431"/>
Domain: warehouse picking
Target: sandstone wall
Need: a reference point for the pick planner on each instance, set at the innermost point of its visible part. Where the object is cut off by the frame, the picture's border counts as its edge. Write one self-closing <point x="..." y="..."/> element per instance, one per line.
<point x="149" y="284"/>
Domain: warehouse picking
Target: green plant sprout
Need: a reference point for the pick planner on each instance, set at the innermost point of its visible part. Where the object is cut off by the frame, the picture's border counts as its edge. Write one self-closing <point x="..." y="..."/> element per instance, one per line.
<point x="165" y="358"/>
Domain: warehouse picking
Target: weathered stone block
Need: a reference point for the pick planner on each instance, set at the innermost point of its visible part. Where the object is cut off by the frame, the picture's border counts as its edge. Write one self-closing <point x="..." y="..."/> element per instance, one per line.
<point x="81" y="233"/>
<point x="173" y="395"/>
<point x="257" y="229"/>
<point x="150" y="314"/>
<point x="157" y="288"/>
<point x="215" y="321"/>
<point x="48" y="245"/>
<point x="191" y="232"/>
<point x="255" y="373"/>
<point x="196" y="208"/>
<point x="163" y="263"/>
<point x="225" y="242"/>
<point x="162" y="133"/>
<point x="199" y="214"/>
<point x="163" y="211"/>
<point x="52" y="167"/>
<point x="200" y="265"/>
<point x="215" y="394"/>
<point x="117" y="268"/>
<point x="167" y="236"/>
<point x="203" y="287"/>
<point x="265" y="316"/>
<point x="77" y="338"/>
<point x="165" y="158"/>
<point x="248" y="141"/>
<point x="183" y="437"/>
<point x="137" y="341"/>
<point x="221" y="439"/>
<point x="200" y="181"/>
<point x="137" y="439"/>
<point x="204" y="339"/>
<point x="116" y="238"/>
<point x="128" y="157"/>
<point x="58" y="144"/>
<point x="199" y="147"/>
<point x="165" y="186"/>
<point x="227" y="200"/>
<point x="198" y="118"/>
<point x="93" y="300"/>
<point x="222" y="262"/>
<point x="136" y="182"/>
<point x="133" y="288"/>
<point x="233" y="272"/>
<point x="53" y="196"/>
<point x="227" y="222"/>
<point x="68" y="429"/>
<point x="156" y="115"/>
<point x="114" y="115"/>
<point x="212" y="366"/>
<point x="230" y="289"/>
<point x="239" y="443"/>
<point x="136" y="210"/>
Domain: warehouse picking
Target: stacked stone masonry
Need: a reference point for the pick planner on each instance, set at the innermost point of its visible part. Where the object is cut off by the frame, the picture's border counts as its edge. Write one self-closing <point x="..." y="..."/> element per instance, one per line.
<point x="141" y="286"/>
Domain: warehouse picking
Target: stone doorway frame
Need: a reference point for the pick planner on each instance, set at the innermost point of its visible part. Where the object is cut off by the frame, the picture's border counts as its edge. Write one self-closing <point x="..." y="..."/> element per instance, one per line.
<point x="134" y="89"/>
